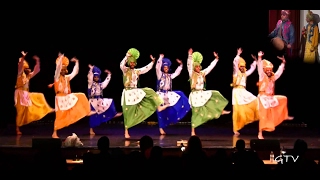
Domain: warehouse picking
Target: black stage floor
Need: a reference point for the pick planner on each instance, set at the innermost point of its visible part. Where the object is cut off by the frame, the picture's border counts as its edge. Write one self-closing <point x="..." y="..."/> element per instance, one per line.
<point x="212" y="136"/>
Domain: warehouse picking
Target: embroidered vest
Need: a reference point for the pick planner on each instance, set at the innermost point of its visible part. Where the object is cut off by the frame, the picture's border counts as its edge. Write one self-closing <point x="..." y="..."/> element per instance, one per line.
<point x="194" y="80"/>
<point x="163" y="81"/>
<point x="267" y="85"/>
<point x="92" y="90"/>
<point x="285" y="30"/>
<point x="23" y="82"/>
<point x="61" y="85"/>
<point x="237" y="79"/>
<point x="127" y="78"/>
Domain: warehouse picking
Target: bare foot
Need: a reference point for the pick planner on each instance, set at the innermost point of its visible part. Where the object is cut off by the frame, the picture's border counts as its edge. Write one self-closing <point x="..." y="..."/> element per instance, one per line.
<point x="236" y="133"/>
<point x="225" y="112"/>
<point x="118" y="115"/>
<point x="19" y="132"/>
<point x="127" y="136"/>
<point x="52" y="111"/>
<point x="193" y="134"/>
<point x="162" y="131"/>
<point x="55" y="136"/>
<point x="260" y="136"/>
<point x="290" y="118"/>
<point x="161" y="108"/>
<point x="92" y="132"/>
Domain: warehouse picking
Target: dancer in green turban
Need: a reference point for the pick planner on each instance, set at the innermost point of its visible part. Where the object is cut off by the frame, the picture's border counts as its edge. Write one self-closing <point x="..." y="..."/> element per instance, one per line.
<point x="206" y="104"/>
<point x="137" y="103"/>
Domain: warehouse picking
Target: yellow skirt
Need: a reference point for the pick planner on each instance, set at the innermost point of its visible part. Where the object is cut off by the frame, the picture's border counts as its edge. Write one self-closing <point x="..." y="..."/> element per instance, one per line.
<point x="35" y="112"/>
<point x="74" y="114"/>
<point x="244" y="114"/>
<point x="272" y="117"/>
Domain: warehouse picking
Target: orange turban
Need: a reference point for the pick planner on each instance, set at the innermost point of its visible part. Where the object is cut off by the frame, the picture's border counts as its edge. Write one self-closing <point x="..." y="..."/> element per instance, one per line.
<point x="65" y="61"/>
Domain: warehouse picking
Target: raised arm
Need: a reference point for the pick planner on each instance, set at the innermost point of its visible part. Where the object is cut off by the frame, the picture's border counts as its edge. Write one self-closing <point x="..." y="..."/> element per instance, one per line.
<point x="36" y="68"/>
<point x="158" y="65"/>
<point x="90" y="76"/>
<point x="123" y="64"/>
<point x="178" y="70"/>
<point x="207" y="70"/>
<point x="20" y="63"/>
<point x="146" y="68"/>
<point x="236" y="62"/>
<point x="260" y="66"/>
<point x="190" y="65"/>
<point x="107" y="80"/>
<point x="280" y="68"/>
<point x="75" y="70"/>
<point x="58" y="68"/>
<point x="252" y="68"/>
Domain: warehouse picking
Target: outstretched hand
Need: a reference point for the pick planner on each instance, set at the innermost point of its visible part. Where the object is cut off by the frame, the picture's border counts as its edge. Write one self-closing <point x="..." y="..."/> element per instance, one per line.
<point x="179" y="61"/>
<point x="90" y="66"/>
<point x="260" y="53"/>
<point x="254" y="57"/>
<point x="239" y="51"/>
<point x="74" y="59"/>
<point x="282" y="59"/>
<point x="107" y="71"/>
<point x="24" y="53"/>
<point x="35" y="57"/>
<point x="216" y="55"/>
<point x="190" y="51"/>
<point x="152" y="58"/>
<point x="60" y="54"/>
<point x="128" y="54"/>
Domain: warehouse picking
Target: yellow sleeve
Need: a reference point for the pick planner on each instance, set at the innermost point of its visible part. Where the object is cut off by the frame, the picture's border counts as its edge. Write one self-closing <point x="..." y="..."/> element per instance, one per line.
<point x="315" y="38"/>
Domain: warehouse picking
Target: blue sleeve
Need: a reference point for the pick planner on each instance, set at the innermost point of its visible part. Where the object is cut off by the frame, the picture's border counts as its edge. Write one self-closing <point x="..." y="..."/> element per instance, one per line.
<point x="274" y="32"/>
<point x="291" y="34"/>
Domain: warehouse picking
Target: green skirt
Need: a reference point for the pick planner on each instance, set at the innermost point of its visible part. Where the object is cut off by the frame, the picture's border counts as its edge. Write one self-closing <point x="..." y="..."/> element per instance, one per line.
<point x="135" y="114"/>
<point x="211" y="110"/>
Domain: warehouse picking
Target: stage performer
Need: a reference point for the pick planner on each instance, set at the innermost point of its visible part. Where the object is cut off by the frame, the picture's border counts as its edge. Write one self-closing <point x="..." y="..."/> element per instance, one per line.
<point x="206" y="104"/>
<point x="102" y="109"/>
<point x="177" y="101"/>
<point x="310" y="39"/>
<point x="273" y="109"/>
<point x="70" y="107"/>
<point x="137" y="103"/>
<point x="244" y="103"/>
<point x="30" y="106"/>
<point x="283" y="34"/>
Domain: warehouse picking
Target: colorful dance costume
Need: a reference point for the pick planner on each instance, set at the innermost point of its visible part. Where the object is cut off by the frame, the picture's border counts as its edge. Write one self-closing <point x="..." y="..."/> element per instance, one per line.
<point x="245" y="104"/>
<point x="70" y="107"/>
<point x="178" y="102"/>
<point x="272" y="108"/>
<point x="137" y="103"/>
<point x="30" y="106"/>
<point x="206" y="104"/>
<point x="102" y="109"/>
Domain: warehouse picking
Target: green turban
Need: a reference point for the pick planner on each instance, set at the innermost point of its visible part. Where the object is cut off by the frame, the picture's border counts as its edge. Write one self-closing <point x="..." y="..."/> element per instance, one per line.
<point x="197" y="59"/>
<point x="135" y="54"/>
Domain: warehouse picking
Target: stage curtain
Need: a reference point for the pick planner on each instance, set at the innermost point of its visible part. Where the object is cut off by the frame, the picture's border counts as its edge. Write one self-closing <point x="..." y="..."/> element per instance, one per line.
<point x="274" y="16"/>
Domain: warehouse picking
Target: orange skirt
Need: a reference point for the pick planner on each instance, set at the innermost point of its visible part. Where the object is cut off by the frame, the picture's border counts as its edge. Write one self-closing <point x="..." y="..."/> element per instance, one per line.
<point x="272" y="117"/>
<point x="74" y="114"/>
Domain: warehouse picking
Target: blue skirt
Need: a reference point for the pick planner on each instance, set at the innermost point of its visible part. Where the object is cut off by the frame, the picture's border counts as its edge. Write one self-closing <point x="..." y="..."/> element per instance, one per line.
<point x="174" y="114"/>
<point x="97" y="119"/>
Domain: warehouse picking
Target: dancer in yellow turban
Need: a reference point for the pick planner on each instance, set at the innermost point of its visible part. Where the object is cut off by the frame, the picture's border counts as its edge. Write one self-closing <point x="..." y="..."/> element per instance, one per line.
<point x="245" y="104"/>
<point x="206" y="105"/>
<point x="30" y="106"/>
<point x="70" y="107"/>
<point x="273" y="109"/>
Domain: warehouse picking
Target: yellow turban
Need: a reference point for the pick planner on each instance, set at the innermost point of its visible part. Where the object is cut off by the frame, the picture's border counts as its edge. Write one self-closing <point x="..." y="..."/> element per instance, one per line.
<point x="267" y="64"/>
<point x="65" y="62"/>
<point x="242" y="62"/>
<point x="25" y="64"/>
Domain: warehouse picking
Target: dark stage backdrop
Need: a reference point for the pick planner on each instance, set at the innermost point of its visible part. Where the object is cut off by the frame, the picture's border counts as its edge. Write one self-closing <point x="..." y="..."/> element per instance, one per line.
<point x="104" y="40"/>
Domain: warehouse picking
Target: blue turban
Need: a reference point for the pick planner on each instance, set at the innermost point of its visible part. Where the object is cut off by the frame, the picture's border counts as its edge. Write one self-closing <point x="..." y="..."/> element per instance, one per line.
<point x="166" y="62"/>
<point x="96" y="72"/>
